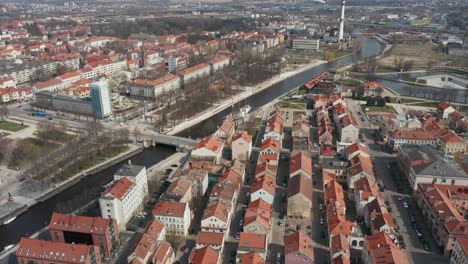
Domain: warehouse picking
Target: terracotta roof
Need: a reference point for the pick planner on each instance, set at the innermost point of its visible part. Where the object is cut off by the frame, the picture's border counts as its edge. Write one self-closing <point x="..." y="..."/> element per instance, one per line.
<point x="259" y="211"/>
<point x="218" y="210"/>
<point x="366" y="188"/>
<point x="205" y="255"/>
<point x="48" y="251"/>
<point x="149" y="240"/>
<point x="357" y="147"/>
<point x="463" y="242"/>
<point x="361" y="168"/>
<point x="382" y="250"/>
<point x="238" y="167"/>
<point x="163" y="252"/>
<point x="375" y="85"/>
<point x="232" y="176"/>
<point x="443" y="105"/>
<point x="299" y="243"/>
<point x="210" y="238"/>
<point x="266" y="168"/>
<point x="340" y="243"/>
<point x="300" y="184"/>
<point x="212" y="143"/>
<point x="252" y="240"/>
<point x="192" y="69"/>
<point x="244" y="135"/>
<point x="267" y="158"/>
<point x="413" y="134"/>
<point x="328" y="151"/>
<point x="178" y="187"/>
<point x="46" y="84"/>
<point x="334" y="193"/>
<point x="119" y="188"/>
<point x="342" y="227"/>
<point x="167" y="78"/>
<point x="217" y="59"/>
<point x="270" y="143"/>
<point x="252" y="258"/>
<point x="169" y="208"/>
<point x="227" y="125"/>
<point x="79" y="224"/>
<point x="451" y="137"/>
<point x="263" y="183"/>
<point x="301" y="160"/>
<point x="223" y="192"/>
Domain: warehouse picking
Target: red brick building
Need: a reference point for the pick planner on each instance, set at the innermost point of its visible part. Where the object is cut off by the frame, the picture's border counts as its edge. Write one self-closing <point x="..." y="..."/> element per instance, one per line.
<point x="86" y="230"/>
<point x="48" y="252"/>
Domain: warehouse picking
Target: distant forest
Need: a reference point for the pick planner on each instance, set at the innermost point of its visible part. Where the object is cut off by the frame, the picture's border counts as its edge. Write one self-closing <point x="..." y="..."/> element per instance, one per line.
<point x="167" y="26"/>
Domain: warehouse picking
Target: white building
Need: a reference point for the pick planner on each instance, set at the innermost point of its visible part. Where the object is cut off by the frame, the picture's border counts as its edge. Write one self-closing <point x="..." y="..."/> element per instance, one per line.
<point x="174" y="216"/>
<point x="126" y="195"/>
<point x="460" y="251"/>
<point x="154" y="89"/>
<point x="241" y="146"/>
<point x="218" y="63"/>
<point x="176" y="63"/>
<point x="49" y="86"/>
<point x="193" y="73"/>
<point x="216" y="218"/>
<point x="263" y="188"/>
<point x="306" y="44"/>
<point x="209" y="149"/>
<point x="69" y="78"/>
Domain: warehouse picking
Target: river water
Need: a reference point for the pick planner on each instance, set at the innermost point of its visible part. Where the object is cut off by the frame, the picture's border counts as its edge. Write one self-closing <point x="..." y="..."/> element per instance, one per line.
<point x="90" y="187"/>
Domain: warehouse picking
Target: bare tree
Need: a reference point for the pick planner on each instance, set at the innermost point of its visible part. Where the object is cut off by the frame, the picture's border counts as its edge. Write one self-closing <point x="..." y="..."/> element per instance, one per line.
<point x="4" y="112"/>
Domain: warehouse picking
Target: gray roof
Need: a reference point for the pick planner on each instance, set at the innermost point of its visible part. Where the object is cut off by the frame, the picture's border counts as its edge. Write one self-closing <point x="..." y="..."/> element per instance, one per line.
<point x="129" y="170"/>
<point x="334" y="163"/>
<point x="438" y="164"/>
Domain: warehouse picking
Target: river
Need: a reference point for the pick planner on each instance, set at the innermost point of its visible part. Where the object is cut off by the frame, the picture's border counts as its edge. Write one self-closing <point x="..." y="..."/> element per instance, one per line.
<point x="90" y="187"/>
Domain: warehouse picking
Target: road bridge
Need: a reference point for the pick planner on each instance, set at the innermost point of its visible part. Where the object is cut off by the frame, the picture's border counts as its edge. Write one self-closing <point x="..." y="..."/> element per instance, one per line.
<point x="180" y="143"/>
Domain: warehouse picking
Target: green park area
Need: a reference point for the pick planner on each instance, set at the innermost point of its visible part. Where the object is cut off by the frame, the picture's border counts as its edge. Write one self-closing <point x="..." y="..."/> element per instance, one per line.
<point x="11" y="126"/>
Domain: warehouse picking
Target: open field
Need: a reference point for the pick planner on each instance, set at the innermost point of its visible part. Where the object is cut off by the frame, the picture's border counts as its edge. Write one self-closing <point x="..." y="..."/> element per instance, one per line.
<point x="422" y="56"/>
<point x="10" y="126"/>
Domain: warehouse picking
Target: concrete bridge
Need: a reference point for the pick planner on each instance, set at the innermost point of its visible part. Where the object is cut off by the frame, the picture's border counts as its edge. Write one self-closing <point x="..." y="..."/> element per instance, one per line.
<point x="180" y="143"/>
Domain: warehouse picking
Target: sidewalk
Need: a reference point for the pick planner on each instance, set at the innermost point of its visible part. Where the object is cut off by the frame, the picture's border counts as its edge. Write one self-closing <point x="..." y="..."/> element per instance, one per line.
<point x="28" y="193"/>
<point x="249" y="92"/>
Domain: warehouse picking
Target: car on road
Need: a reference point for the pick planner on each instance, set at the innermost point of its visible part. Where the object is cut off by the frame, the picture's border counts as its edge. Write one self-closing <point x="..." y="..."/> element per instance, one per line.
<point x="280" y="222"/>
<point x="320" y="206"/>
<point x="237" y="235"/>
<point x="322" y="221"/>
<point x="405" y="204"/>
<point x="426" y="246"/>
<point x="401" y="198"/>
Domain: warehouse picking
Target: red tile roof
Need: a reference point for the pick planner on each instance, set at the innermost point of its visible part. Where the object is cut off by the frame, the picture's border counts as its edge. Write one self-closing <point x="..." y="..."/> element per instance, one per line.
<point x="244" y="135"/>
<point x="227" y="125"/>
<point x="370" y="85"/>
<point x="382" y="250"/>
<point x="451" y="137"/>
<point x="252" y="258"/>
<point x="167" y="78"/>
<point x="218" y="210"/>
<point x="49" y="251"/>
<point x="298" y="242"/>
<point x="210" y="238"/>
<point x="300" y="184"/>
<point x="80" y="224"/>
<point x="119" y="188"/>
<point x="163" y="253"/>
<point x="205" y="255"/>
<point x="232" y="176"/>
<point x="169" y="208"/>
<point x="301" y="160"/>
<point x="149" y="240"/>
<point x="252" y="240"/>
<point x="264" y="183"/>
<point x="270" y="143"/>
<point x="419" y="134"/>
<point x="334" y="193"/>
<point x="212" y="143"/>
<point x="192" y="69"/>
<point x="259" y="211"/>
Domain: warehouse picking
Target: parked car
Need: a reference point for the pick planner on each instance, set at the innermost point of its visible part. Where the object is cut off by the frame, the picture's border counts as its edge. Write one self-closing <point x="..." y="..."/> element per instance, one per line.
<point x="405" y="204"/>
<point x="237" y="237"/>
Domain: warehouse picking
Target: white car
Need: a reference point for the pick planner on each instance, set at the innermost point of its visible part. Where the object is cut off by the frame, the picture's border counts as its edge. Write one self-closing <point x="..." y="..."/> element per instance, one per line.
<point x="405" y="204"/>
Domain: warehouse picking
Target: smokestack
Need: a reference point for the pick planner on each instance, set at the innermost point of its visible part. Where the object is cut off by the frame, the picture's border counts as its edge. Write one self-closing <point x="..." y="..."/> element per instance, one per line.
<point x="341" y="33"/>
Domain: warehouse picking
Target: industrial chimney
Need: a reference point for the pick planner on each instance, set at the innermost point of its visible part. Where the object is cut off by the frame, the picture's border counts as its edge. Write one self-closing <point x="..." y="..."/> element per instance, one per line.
<point x="341" y="33"/>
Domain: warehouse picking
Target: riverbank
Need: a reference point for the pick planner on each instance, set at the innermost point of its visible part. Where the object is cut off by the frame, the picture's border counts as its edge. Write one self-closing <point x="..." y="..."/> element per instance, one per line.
<point x="24" y="201"/>
<point x="249" y="92"/>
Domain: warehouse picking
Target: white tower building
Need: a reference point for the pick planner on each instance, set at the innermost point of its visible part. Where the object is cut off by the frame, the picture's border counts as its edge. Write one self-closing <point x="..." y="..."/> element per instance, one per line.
<point x="341" y="33"/>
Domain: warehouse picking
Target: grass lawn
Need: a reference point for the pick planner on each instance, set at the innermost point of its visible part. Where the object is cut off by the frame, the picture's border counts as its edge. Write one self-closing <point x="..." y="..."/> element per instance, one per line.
<point x="387" y="109"/>
<point x="348" y="82"/>
<point x="292" y="104"/>
<point x="10" y="126"/>
<point x="29" y="150"/>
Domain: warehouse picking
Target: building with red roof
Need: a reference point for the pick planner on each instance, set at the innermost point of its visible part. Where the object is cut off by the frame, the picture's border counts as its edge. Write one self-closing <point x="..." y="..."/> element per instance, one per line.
<point x="365" y="191"/>
<point x="191" y="74"/>
<point x="270" y="146"/>
<point x="175" y="216"/>
<point x="257" y="217"/>
<point x="179" y="190"/>
<point x="379" y="248"/>
<point x="227" y="130"/>
<point x="263" y="188"/>
<point x="252" y="258"/>
<point x="340" y="250"/>
<point x="298" y="248"/>
<point x="373" y="89"/>
<point x="447" y="206"/>
<point x="209" y="149"/>
<point x="452" y="143"/>
<point x="460" y="251"/>
<point x="218" y="63"/>
<point x="216" y="218"/>
<point x="212" y="239"/>
<point x="251" y="242"/>
<point x="301" y="163"/>
<point x="42" y="251"/>
<point x="101" y="232"/>
<point x="164" y="254"/>
<point x="299" y="196"/>
<point x="148" y="243"/>
<point x="205" y="255"/>
<point x="241" y="146"/>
